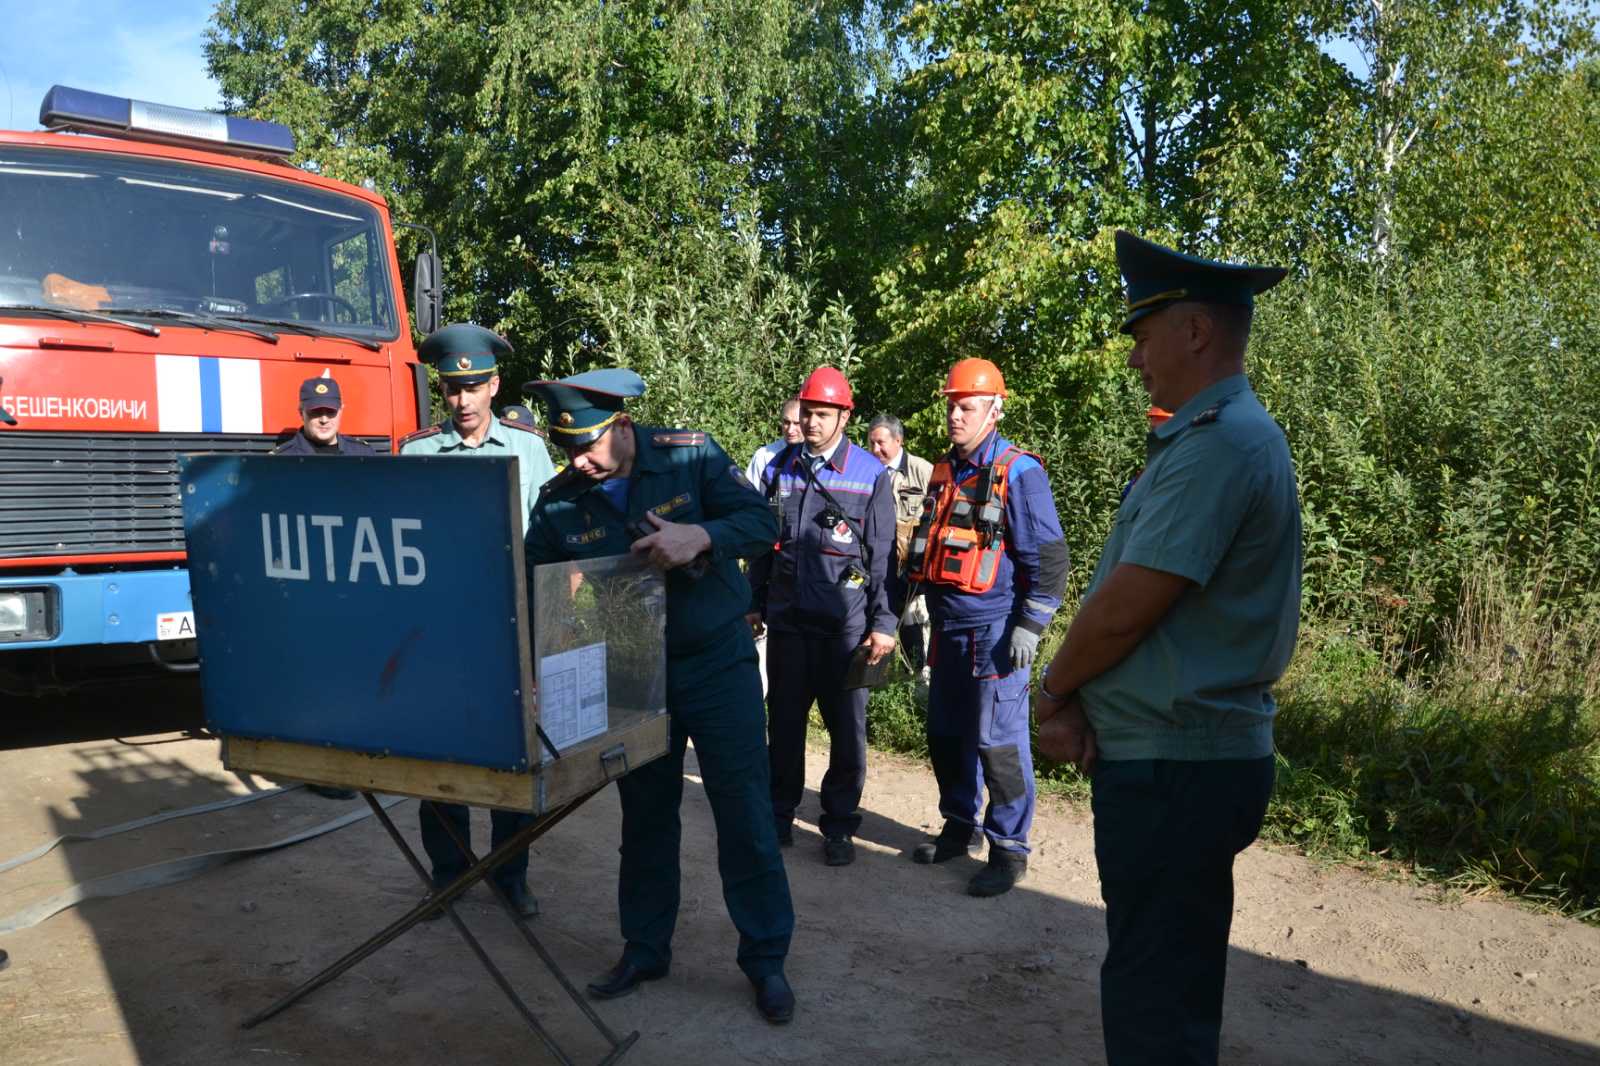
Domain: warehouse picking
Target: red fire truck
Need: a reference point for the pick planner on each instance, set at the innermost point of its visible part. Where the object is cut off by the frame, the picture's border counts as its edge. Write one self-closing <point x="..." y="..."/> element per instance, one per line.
<point x="167" y="280"/>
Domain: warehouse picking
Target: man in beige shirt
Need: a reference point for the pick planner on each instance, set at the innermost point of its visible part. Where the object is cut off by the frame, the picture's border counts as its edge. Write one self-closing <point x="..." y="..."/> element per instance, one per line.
<point x="886" y="437"/>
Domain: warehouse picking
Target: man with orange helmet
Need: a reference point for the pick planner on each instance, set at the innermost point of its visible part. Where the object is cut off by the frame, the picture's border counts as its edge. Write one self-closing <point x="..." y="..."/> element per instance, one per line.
<point x="991" y="557"/>
<point x="824" y="597"/>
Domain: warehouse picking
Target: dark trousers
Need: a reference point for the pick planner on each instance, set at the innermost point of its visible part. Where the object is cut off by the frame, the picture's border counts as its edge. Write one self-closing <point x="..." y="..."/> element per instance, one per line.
<point x="802" y="669"/>
<point x="714" y="698"/>
<point x="1165" y="834"/>
<point x="978" y="732"/>
<point x="449" y="863"/>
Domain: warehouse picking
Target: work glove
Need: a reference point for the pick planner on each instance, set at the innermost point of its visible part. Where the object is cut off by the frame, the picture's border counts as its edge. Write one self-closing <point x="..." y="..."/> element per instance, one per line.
<point x="1024" y="646"/>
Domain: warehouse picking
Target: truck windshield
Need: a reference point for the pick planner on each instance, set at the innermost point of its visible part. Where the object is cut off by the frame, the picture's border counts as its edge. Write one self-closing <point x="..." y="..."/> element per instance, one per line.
<point x="92" y="231"/>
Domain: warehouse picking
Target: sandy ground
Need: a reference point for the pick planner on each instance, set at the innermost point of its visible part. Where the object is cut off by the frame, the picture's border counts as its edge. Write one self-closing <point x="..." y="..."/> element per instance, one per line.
<point x="892" y="963"/>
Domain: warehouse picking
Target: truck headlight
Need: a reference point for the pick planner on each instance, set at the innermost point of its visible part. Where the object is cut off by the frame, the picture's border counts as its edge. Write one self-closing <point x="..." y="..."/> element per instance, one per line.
<point x="25" y="615"/>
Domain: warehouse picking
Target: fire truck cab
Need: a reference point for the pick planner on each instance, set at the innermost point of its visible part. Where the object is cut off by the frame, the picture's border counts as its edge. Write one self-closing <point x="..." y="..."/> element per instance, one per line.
<point x="167" y="281"/>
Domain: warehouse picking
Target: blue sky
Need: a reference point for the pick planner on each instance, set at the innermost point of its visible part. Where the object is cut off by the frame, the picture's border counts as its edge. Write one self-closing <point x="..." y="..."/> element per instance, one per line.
<point x="146" y="49"/>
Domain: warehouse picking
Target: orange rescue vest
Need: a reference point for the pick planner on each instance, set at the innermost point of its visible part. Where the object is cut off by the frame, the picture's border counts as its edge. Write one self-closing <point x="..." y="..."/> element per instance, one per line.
<point x="961" y="534"/>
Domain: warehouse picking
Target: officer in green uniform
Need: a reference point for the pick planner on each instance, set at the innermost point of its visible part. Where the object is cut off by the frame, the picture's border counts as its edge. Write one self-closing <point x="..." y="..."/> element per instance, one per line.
<point x="467" y="358"/>
<point x="1162" y="688"/>
<point x="695" y="515"/>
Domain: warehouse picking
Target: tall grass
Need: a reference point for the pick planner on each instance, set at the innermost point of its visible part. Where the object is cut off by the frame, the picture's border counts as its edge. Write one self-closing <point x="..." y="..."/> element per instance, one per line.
<point x="1485" y="774"/>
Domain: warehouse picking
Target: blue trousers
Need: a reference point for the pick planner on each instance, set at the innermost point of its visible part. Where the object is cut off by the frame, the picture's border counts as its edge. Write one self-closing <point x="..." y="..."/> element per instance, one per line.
<point x="714" y="698"/>
<point x="978" y="732"/>
<point x="1165" y="834"/>
<point x="801" y="669"/>
<point x="449" y="863"/>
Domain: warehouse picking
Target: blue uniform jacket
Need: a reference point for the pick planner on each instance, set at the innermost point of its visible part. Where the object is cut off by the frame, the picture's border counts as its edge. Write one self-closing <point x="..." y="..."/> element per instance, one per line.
<point x="300" y="444"/>
<point x="1033" y="569"/>
<point x="802" y="587"/>
<point x="683" y="477"/>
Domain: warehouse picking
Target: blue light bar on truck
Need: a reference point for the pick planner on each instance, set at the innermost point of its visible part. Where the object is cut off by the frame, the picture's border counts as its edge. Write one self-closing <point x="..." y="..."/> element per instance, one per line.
<point x="116" y="116"/>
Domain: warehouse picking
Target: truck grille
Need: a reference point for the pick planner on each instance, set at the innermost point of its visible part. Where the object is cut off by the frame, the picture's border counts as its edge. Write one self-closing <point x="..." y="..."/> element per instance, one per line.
<point x="100" y="493"/>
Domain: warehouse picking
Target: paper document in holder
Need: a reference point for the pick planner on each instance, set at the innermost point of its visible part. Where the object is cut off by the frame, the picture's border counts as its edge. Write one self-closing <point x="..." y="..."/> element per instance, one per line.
<point x="572" y="694"/>
<point x="599" y="646"/>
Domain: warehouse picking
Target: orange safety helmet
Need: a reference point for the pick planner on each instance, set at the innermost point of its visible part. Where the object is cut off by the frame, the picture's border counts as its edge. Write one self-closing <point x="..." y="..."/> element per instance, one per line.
<point x="827" y="385"/>
<point x="1157" y="415"/>
<point x="974" y="377"/>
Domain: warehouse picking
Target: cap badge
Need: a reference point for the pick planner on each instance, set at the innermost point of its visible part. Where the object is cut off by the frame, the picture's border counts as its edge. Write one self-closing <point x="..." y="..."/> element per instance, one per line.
<point x="321" y="389"/>
<point x="566" y="418"/>
<point x="513" y="415"/>
<point x="464" y="363"/>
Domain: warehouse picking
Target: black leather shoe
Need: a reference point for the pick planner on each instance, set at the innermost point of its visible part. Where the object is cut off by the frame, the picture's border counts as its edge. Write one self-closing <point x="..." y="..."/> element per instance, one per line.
<point x="623" y="978"/>
<point x="525" y="902"/>
<point x="838" y="851"/>
<point x="775" y="999"/>
<point x="956" y="838"/>
<point x="1004" y="869"/>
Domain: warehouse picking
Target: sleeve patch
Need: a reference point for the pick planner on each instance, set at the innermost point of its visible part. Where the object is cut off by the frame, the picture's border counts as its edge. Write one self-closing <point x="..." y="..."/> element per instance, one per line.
<point x="678" y="439"/>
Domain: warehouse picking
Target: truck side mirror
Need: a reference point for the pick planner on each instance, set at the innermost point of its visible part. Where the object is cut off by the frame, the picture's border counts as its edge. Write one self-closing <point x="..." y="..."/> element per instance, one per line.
<point x="427" y="294"/>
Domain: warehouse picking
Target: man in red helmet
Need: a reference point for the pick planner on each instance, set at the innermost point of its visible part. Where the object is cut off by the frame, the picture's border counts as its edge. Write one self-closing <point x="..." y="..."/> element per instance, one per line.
<point x="991" y="557"/>
<point x="824" y="598"/>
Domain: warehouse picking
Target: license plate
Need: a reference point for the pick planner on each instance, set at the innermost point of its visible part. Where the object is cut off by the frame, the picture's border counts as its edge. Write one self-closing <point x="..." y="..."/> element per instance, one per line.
<point x="178" y="625"/>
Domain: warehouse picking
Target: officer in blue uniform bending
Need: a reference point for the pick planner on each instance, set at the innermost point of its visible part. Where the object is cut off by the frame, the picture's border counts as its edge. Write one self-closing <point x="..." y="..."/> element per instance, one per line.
<point x="704" y="516"/>
<point x="467" y="358"/>
<point x="823" y="594"/>
<point x="1162" y="688"/>
<point x="991" y="556"/>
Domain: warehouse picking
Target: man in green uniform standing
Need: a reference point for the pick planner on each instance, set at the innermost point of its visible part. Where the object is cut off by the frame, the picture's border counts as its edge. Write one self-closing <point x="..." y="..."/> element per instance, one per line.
<point x="674" y="497"/>
<point x="467" y="358"/>
<point x="1162" y="688"/>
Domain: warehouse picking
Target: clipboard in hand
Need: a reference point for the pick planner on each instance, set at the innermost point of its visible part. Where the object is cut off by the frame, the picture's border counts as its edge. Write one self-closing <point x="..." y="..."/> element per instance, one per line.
<point x="860" y="675"/>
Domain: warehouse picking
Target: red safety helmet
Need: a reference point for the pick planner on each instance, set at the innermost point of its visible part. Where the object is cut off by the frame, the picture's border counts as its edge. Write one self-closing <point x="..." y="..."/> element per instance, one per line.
<point x="827" y="385"/>
<point x="974" y="377"/>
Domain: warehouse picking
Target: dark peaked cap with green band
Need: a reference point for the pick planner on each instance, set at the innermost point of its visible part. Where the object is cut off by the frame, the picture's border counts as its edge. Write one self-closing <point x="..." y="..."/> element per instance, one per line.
<point x="582" y="407"/>
<point x="1158" y="276"/>
<point x="464" y="353"/>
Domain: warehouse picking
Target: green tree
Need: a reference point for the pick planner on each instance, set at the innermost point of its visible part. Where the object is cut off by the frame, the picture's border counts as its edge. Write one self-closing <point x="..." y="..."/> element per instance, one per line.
<point x="571" y="154"/>
<point x="1037" y="128"/>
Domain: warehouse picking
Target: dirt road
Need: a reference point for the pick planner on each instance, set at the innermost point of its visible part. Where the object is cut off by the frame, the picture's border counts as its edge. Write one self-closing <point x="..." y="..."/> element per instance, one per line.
<point x="892" y="963"/>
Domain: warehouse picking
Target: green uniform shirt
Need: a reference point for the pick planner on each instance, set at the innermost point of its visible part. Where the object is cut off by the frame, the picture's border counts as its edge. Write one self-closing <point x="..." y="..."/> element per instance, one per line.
<point x="1216" y="504"/>
<point x="533" y="458"/>
<point x="683" y="477"/>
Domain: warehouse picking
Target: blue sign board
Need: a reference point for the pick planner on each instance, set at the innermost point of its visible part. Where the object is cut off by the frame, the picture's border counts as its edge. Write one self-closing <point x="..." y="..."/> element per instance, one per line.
<point x="370" y="604"/>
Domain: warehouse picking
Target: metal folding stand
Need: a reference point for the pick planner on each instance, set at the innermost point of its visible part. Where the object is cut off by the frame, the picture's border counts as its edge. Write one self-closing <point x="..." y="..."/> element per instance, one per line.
<point x="445" y="898"/>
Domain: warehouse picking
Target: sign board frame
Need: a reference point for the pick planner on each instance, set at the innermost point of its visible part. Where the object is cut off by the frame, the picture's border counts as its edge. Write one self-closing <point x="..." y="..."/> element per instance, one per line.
<point x="364" y="623"/>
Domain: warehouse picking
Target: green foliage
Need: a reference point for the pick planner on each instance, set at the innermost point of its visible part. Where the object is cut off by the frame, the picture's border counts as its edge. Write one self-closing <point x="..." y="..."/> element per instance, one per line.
<point x="1471" y="780"/>
<point x="1440" y="418"/>
<point x="720" y="337"/>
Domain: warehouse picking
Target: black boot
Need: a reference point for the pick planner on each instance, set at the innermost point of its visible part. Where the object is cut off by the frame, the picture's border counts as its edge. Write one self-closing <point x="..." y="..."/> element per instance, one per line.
<point x="1003" y="870"/>
<point x="956" y="838"/>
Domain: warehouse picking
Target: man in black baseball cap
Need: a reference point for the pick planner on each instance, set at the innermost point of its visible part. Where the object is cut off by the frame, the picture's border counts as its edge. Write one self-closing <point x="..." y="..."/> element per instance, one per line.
<point x="320" y="408"/>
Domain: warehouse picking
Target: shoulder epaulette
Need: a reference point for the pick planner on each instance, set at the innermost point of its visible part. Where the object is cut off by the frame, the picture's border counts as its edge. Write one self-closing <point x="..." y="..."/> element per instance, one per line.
<point x="425" y="431"/>
<point x="535" y="430"/>
<point x="566" y="479"/>
<point x="1206" y="417"/>
<point x="677" y="438"/>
